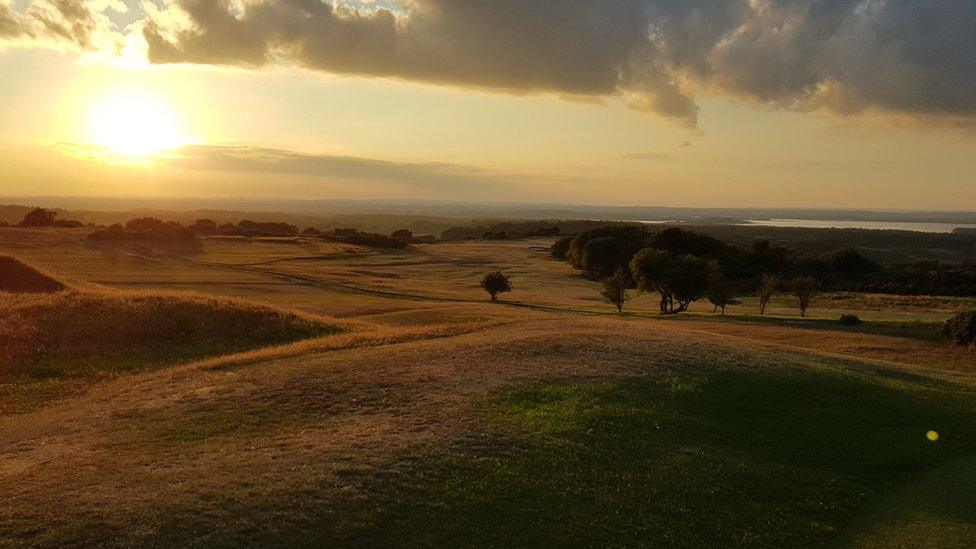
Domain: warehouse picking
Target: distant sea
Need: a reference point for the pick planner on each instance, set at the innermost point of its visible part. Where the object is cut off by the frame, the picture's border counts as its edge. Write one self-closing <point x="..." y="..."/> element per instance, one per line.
<point x="843" y="224"/>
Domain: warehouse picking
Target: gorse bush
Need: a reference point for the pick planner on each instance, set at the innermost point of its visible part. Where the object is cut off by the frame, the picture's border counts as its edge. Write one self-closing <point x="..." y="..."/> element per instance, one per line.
<point x="850" y="320"/>
<point x="961" y="329"/>
<point x="496" y="283"/>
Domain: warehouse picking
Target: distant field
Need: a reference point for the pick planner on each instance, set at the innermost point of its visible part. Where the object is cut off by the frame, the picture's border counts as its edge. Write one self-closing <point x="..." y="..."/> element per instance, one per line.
<point x="383" y="400"/>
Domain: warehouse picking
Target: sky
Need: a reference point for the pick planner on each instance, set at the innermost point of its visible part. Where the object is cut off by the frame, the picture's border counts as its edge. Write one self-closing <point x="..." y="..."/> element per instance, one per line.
<point x="775" y="103"/>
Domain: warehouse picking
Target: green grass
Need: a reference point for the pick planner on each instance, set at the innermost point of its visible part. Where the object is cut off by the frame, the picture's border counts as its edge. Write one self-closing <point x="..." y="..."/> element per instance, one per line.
<point x="728" y="457"/>
<point x="759" y="455"/>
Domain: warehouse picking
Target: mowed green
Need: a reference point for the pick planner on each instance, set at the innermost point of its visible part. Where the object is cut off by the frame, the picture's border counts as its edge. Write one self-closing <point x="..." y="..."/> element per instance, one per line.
<point x="542" y="420"/>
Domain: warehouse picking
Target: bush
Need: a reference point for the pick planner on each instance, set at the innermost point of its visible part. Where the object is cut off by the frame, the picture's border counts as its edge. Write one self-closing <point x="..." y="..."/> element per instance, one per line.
<point x="560" y="248"/>
<point x="496" y="283"/>
<point x="961" y="329"/>
<point x="850" y="320"/>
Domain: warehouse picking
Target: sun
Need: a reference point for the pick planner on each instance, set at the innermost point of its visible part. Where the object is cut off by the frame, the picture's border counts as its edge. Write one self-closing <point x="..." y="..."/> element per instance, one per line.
<point x="134" y="125"/>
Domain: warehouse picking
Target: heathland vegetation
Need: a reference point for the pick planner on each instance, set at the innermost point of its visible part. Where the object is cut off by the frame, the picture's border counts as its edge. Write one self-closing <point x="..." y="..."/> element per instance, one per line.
<point x="554" y="421"/>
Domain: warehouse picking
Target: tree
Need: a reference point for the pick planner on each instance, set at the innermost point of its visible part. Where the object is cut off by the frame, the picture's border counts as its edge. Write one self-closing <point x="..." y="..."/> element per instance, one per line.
<point x="850" y="261"/>
<point x="679" y="242"/>
<point x="496" y="283"/>
<point x="680" y="281"/>
<point x="203" y="227"/>
<point x="805" y="289"/>
<point x="615" y="288"/>
<point x="142" y="224"/>
<point x="688" y="279"/>
<point x="603" y="256"/>
<point x="560" y="248"/>
<point x="38" y="217"/>
<point x="767" y="289"/>
<point x="650" y="269"/>
<point x="719" y="291"/>
<point x="402" y="234"/>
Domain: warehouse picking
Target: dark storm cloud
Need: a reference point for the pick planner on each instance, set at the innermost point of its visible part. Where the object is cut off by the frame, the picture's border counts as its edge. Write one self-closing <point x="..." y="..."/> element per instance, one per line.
<point x="247" y="158"/>
<point x="571" y="47"/>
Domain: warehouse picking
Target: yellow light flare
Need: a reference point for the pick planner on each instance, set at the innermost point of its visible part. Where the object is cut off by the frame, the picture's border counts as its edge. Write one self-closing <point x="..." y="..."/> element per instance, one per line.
<point x="134" y="125"/>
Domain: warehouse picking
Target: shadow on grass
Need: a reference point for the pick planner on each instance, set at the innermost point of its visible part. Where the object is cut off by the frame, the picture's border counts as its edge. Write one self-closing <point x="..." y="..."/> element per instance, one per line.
<point x="772" y="454"/>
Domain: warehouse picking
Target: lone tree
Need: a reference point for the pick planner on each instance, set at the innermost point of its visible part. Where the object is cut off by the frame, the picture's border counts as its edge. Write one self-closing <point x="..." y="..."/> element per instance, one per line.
<point x="719" y="291"/>
<point x="496" y="283"/>
<point x="805" y="289"/>
<point x="615" y="289"/>
<point x="38" y="217"/>
<point x="767" y="289"/>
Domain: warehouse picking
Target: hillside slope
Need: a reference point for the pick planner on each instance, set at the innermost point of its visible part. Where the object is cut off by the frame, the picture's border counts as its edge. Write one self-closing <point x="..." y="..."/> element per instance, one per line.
<point x="521" y="434"/>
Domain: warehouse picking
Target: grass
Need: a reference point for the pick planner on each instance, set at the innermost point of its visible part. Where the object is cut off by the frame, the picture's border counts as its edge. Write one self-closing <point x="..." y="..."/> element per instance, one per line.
<point x="56" y="343"/>
<point x="463" y="423"/>
<point x="762" y="453"/>
<point x="709" y="458"/>
<point x="19" y="277"/>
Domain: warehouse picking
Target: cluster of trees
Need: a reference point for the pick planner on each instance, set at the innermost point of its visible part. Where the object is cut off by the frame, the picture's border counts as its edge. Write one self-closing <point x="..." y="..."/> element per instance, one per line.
<point x="513" y="230"/>
<point x="360" y="238"/>
<point x="600" y="252"/>
<point x="144" y="229"/>
<point x="41" y="217"/>
<point x="683" y="267"/>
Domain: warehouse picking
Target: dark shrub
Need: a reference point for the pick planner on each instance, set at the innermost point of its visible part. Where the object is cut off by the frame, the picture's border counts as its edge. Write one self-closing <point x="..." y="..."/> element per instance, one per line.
<point x="632" y="236"/>
<point x="850" y="261"/>
<point x="496" y="283"/>
<point x="850" y="320"/>
<point x="961" y="329"/>
<point x="402" y="234"/>
<point x="253" y="228"/>
<point x="203" y="227"/>
<point x="679" y="242"/>
<point x="38" y="217"/>
<point x="603" y="256"/>
<point x="560" y="248"/>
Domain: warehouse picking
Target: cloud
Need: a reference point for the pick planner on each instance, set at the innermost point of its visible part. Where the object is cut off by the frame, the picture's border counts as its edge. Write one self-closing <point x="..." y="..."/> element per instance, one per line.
<point x="254" y="159"/>
<point x="845" y="57"/>
<point x="56" y="23"/>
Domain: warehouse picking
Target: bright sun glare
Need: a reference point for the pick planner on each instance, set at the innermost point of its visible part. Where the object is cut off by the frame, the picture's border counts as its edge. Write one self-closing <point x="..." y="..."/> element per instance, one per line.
<point x="134" y="125"/>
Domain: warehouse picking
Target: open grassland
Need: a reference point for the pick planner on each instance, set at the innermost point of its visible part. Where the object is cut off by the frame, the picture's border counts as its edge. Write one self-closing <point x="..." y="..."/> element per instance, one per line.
<point x="583" y="431"/>
<point x="399" y="407"/>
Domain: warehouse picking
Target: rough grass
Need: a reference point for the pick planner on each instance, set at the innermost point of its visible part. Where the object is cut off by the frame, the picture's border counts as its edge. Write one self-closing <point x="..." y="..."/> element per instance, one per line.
<point x="52" y="344"/>
<point x="19" y="277"/>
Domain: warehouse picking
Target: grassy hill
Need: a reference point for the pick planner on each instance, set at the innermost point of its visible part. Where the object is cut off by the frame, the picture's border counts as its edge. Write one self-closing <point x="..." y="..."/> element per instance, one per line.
<point x="422" y="415"/>
<point x="19" y="277"/>
<point x="518" y="435"/>
<point x="52" y="343"/>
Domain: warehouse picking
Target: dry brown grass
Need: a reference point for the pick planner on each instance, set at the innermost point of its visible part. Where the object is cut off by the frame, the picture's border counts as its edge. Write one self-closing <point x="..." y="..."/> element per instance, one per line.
<point x="18" y="277"/>
<point x="55" y="345"/>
